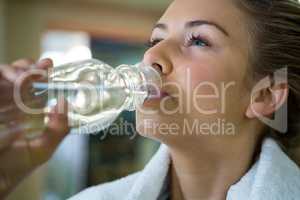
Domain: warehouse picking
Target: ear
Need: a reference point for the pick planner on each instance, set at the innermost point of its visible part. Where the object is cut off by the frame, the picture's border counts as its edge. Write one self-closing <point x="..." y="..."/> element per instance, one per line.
<point x="266" y="99"/>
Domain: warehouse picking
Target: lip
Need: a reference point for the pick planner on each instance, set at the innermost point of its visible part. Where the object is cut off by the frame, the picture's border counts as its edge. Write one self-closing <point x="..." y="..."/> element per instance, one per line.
<point x="154" y="99"/>
<point x="157" y="94"/>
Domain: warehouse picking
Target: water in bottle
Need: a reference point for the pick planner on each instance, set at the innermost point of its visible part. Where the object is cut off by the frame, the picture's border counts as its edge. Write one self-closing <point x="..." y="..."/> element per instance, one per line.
<point x="97" y="93"/>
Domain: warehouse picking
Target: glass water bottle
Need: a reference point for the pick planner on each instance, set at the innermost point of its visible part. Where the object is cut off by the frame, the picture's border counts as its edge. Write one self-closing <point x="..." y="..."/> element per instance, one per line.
<point x="97" y="93"/>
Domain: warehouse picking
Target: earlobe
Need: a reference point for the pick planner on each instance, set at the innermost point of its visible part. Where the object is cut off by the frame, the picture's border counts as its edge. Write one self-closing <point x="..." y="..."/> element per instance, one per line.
<point x="252" y="110"/>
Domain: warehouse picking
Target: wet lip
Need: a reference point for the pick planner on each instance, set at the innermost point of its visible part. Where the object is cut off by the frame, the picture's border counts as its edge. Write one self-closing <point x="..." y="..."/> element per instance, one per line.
<point x="163" y="94"/>
<point x="158" y="95"/>
<point x="154" y="99"/>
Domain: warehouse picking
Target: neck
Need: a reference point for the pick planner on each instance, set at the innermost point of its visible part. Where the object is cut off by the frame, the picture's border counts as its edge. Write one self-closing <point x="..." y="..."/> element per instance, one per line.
<point x="207" y="172"/>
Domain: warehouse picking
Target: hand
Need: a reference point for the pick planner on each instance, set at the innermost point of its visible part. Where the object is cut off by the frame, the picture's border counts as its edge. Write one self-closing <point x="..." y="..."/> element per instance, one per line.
<point x="20" y="154"/>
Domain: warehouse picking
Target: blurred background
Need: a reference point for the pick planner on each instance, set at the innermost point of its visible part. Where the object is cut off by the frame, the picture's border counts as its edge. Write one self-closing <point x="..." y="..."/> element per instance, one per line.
<point x="114" y="31"/>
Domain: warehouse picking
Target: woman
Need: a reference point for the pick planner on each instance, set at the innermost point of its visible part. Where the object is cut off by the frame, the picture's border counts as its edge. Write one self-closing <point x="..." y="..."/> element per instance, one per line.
<point x="223" y="69"/>
<point x="213" y="55"/>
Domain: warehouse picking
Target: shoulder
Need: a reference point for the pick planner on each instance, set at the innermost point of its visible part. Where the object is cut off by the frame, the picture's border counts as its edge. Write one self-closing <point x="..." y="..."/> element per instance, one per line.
<point x="283" y="173"/>
<point x="274" y="176"/>
<point x="108" y="191"/>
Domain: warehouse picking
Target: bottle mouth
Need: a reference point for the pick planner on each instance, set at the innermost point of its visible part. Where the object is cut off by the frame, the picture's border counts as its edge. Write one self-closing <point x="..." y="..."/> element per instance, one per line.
<point x="152" y="78"/>
<point x="141" y="81"/>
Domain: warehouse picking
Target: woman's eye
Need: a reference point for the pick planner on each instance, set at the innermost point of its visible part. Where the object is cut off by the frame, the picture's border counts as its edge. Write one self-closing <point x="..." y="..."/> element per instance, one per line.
<point x="152" y="43"/>
<point x="198" y="41"/>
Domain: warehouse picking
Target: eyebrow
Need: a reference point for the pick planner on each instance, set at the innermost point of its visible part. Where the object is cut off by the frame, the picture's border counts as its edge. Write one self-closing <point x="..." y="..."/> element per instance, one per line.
<point x="195" y="23"/>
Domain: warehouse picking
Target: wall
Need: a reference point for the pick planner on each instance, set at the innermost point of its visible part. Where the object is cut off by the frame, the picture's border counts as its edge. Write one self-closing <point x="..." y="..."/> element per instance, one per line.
<point x="2" y="36"/>
<point x="28" y="20"/>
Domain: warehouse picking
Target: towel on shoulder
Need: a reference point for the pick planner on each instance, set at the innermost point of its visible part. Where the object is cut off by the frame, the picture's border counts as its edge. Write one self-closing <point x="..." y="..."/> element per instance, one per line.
<point x="274" y="176"/>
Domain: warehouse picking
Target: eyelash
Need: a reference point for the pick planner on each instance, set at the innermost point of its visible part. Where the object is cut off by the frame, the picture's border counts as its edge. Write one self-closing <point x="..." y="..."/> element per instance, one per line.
<point x="152" y="43"/>
<point x="194" y="38"/>
<point x="190" y="40"/>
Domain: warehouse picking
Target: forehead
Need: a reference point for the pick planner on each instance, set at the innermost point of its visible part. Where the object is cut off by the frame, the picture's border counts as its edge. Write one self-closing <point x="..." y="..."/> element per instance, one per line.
<point x="222" y="12"/>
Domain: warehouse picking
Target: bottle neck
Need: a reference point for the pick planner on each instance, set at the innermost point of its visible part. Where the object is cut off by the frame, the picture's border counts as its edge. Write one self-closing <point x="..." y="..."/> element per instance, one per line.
<point x="140" y="81"/>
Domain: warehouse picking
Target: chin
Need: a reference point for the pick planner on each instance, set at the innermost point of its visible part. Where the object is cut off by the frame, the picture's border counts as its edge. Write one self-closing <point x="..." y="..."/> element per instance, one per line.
<point x="145" y="124"/>
<point x="156" y="126"/>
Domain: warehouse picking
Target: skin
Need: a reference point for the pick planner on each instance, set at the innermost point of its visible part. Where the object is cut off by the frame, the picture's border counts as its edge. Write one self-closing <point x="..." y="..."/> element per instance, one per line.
<point x="205" y="165"/>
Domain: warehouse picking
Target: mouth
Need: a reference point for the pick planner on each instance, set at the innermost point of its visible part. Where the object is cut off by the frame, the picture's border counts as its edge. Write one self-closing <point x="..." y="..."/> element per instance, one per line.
<point x="159" y="95"/>
<point x="155" y="97"/>
<point x="156" y="92"/>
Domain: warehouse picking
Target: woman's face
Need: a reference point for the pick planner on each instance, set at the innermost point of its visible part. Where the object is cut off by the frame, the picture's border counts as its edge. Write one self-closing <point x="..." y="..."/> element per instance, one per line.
<point x="202" y="49"/>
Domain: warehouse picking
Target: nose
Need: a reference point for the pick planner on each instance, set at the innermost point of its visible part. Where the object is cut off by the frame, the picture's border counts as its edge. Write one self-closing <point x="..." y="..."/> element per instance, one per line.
<point x="159" y="58"/>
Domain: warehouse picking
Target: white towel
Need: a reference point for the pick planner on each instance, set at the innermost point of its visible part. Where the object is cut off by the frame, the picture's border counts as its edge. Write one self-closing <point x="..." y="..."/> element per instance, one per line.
<point x="273" y="177"/>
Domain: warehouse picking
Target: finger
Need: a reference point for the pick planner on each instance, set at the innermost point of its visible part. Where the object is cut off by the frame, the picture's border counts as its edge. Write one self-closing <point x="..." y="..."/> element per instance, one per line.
<point x="58" y="119"/>
<point x="8" y="73"/>
<point x="44" y="64"/>
<point x="38" y="73"/>
<point x="24" y="63"/>
<point x="17" y="67"/>
<point x="43" y="147"/>
<point x="13" y="71"/>
<point x="8" y="135"/>
<point x="14" y="111"/>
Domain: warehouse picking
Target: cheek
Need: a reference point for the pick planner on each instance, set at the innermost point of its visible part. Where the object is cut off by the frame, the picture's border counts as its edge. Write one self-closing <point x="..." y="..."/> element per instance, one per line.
<point x="198" y="73"/>
<point x="198" y="79"/>
<point x="207" y="77"/>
